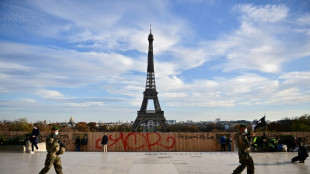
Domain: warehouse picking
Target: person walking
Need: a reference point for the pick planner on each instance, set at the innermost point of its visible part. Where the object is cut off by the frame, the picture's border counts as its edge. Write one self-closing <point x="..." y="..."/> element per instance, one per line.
<point x="243" y="145"/>
<point x="54" y="148"/>
<point x="34" y="138"/>
<point x="302" y="154"/>
<point x="77" y="143"/>
<point x="228" y="141"/>
<point x="104" y="142"/>
<point x="223" y="143"/>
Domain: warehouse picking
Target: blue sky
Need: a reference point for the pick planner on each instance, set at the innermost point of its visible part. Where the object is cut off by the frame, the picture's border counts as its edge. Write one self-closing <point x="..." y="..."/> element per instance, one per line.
<point x="213" y="59"/>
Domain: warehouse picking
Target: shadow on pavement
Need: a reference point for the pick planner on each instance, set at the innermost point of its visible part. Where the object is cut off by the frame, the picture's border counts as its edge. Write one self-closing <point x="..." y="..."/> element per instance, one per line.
<point x="273" y="164"/>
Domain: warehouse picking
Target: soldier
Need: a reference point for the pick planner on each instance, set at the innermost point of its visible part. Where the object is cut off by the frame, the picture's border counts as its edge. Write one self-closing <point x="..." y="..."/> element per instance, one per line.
<point x="243" y="146"/>
<point x="54" y="148"/>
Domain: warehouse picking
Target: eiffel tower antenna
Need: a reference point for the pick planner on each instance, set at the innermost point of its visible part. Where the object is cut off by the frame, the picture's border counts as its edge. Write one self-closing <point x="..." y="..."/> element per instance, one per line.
<point x="151" y="28"/>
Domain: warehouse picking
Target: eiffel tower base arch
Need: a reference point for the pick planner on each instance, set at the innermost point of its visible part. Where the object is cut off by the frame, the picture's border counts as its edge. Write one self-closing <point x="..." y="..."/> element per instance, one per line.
<point x="149" y="116"/>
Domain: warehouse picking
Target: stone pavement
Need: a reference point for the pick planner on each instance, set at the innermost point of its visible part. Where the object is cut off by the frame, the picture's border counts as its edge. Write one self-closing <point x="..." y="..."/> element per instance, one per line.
<point x="151" y="163"/>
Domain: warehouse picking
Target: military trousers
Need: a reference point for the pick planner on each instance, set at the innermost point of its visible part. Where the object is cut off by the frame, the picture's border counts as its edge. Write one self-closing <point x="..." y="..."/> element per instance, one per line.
<point x="52" y="159"/>
<point x="245" y="161"/>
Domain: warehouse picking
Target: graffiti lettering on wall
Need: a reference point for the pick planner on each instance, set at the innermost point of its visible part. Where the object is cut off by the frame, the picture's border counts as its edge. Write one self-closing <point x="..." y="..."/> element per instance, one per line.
<point x="145" y="140"/>
<point x="62" y="136"/>
<point x="80" y="135"/>
<point x="198" y="136"/>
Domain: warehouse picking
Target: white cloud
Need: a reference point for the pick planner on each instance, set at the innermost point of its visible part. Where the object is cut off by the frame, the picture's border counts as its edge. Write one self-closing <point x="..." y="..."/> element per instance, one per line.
<point x="267" y="13"/>
<point x="247" y="89"/>
<point x="174" y="95"/>
<point x="49" y="94"/>
<point x="256" y="45"/>
<point x="30" y="100"/>
<point x="99" y="25"/>
<point x="188" y="58"/>
<point x="288" y="96"/>
<point x="8" y="66"/>
<point x="300" y="79"/>
<point x="86" y="104"/>
<point x="304" y="20"/>
<point x="35" y="67"/>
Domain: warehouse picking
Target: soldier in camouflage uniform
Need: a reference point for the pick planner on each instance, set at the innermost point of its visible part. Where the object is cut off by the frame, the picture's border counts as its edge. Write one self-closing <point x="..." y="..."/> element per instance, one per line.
<point x="54" y="147"/>
<point x="243" y="146"/>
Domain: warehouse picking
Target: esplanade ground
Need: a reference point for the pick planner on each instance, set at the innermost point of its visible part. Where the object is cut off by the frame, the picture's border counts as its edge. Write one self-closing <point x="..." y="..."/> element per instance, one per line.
<point x="151" y="163"/>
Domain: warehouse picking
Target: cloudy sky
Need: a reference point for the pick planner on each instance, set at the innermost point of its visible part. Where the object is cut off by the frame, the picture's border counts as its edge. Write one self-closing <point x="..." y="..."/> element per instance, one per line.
<point x="213" y="59"/>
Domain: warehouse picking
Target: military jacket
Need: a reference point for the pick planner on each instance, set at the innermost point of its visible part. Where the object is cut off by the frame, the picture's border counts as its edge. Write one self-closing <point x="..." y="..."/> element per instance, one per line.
<point x="52" y="143"/>
<point x="242" y="143"/>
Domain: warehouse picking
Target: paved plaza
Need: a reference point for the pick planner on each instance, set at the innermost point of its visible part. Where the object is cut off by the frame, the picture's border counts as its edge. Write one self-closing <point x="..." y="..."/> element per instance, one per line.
<point x="151" y="163"/>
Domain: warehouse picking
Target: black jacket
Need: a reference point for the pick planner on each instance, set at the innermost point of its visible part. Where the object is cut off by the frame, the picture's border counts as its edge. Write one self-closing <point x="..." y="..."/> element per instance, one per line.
<point x="36" y="133"/>
<point x="104" y="140"/>
<point x="78" y="142"/>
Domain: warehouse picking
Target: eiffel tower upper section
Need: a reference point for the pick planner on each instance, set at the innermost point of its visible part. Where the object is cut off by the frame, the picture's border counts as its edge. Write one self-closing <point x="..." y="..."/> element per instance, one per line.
<point x="150" y="87"/>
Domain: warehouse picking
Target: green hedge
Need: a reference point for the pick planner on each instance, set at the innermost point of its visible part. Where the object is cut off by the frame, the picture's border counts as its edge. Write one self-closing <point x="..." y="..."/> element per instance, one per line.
<point x="12" y="140"/>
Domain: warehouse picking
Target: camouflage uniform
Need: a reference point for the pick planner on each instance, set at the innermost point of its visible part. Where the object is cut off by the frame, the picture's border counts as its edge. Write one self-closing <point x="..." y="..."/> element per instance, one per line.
<point x="53" y="145"/>
<point x="245" y="159"/>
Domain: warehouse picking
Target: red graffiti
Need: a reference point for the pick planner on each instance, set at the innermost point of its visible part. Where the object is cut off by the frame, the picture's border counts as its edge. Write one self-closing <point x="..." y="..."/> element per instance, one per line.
<point x="146" y="141"/>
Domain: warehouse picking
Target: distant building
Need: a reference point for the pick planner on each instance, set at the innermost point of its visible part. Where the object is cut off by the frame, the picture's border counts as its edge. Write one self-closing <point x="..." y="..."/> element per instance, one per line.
<point x="71" y="122"/>
<point x="171" y="121"/>
<point x="117" y="123"/>
<point x="217" y="120"/>
<point x="150" y="126"/>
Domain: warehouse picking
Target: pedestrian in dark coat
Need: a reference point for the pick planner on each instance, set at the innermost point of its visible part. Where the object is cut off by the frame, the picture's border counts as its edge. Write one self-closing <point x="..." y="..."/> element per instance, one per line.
<point x="84" y="142"/>
<point x="223" y="143"/>
<point x="104" y="142"/>
<point x="35" y="138"/>
<point x="77" y="144"/>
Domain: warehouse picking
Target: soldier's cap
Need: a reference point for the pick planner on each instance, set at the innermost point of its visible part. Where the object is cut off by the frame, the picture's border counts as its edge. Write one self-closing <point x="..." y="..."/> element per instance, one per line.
<point x="55" y="128"/>
<point x="242" y="125"/>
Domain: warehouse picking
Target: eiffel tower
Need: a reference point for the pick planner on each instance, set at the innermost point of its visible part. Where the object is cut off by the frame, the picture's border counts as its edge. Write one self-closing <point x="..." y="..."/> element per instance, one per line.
<point x="150" y="93"/>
